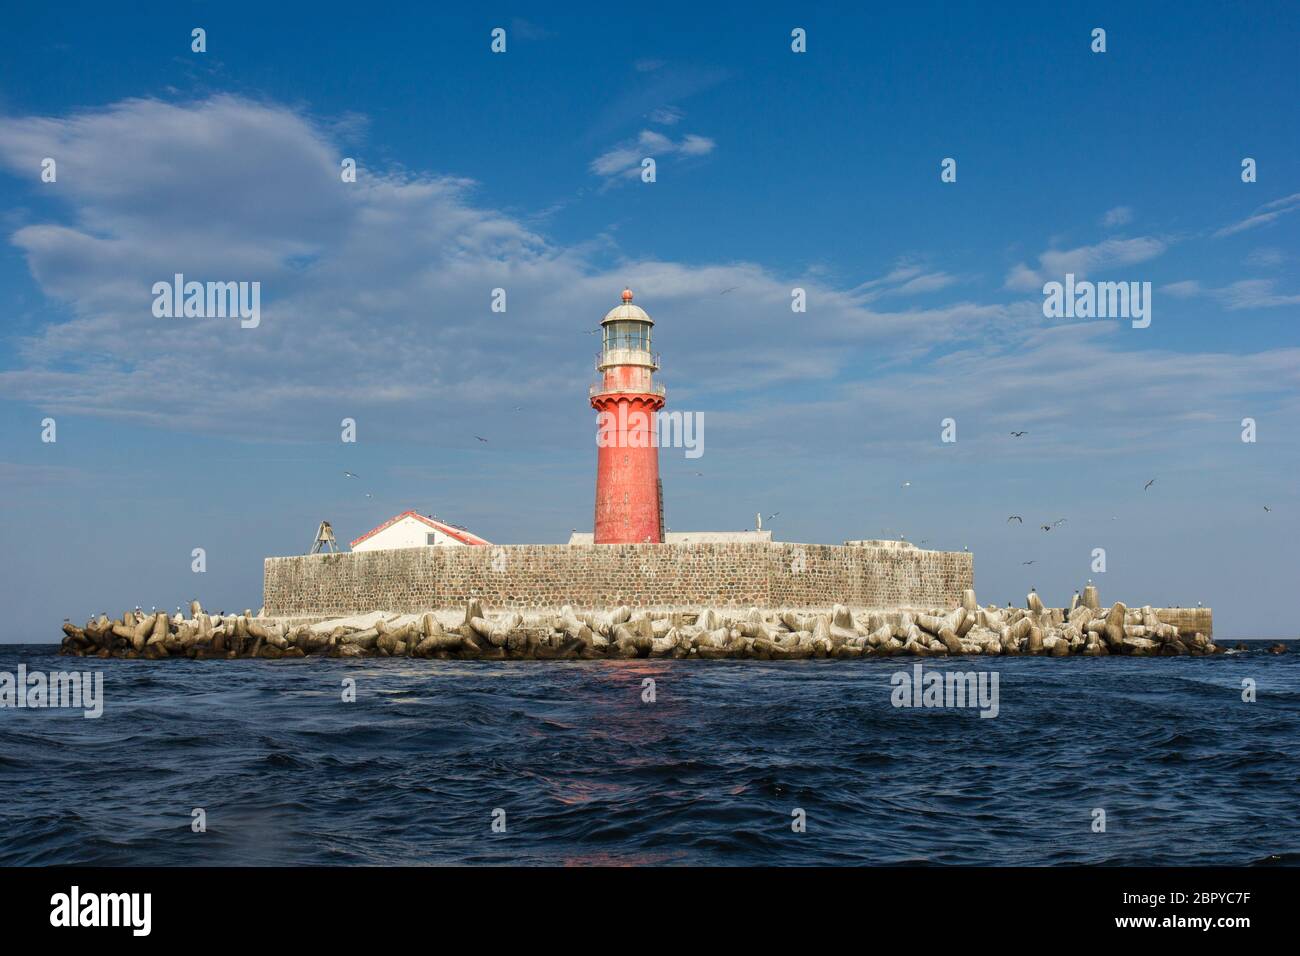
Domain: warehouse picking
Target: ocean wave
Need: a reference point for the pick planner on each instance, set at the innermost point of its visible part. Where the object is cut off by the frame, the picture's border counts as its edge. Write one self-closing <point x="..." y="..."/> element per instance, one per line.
<point x="732" y="763"/>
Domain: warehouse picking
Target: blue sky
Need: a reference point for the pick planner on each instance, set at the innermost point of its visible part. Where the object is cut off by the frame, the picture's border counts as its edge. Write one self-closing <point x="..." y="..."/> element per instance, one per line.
<point x="775" y="170"/>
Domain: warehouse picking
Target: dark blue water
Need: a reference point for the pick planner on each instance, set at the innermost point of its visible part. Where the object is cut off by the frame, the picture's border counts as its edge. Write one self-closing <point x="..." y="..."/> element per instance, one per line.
<point x="709" y="773"/>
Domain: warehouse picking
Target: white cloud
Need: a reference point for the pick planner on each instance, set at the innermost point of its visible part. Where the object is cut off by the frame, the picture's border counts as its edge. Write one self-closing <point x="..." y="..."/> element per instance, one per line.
<point x="376" y="305"/>
<point x="1243" y="294"/>
<point x="1266" y="257"/>
<point x="930" y="282"/>
<point x="1119" y="216"/>
<point x="1253" y="294"/>
<point x="1269" y="212"/>
<point x="666" y="116"/>
<point x="694" y="145"/>
<point x="1186" y="289"/>
<point x="375" y="293"/>
<point x="906" y="278"/>
<point x="1247" y="293"/>
<point x="1021" y="278"/>
<point x="1083" y="260"/>
<point x="624" y="160"/>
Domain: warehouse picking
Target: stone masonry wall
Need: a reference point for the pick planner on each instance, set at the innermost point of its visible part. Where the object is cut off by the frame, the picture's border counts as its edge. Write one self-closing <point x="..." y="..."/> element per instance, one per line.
<point x="548" y="576"/>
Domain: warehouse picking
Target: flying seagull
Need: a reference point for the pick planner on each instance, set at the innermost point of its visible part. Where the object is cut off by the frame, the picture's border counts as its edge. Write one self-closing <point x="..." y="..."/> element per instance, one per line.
<point x="480" y="438"/>
<point x="732" y="289"/>
<point x="1267" y="508"/>
<point x="1027" y="562"/>
<point x="906" y="484"/>
<point x="1015" y="518"/>
<point x="1018" y="434"/>
<point x="348" y="474"/>
<point x="775" y="513"/>
<point x="590" y="331"/>
<point x="1148" y="484"/>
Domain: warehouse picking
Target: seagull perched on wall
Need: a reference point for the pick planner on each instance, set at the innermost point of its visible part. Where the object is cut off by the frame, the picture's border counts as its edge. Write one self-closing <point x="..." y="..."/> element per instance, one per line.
<point x="1148" y="484"/>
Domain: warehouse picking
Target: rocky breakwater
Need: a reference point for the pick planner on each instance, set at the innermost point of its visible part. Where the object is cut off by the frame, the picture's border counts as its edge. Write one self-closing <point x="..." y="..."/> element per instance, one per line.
<point x="1083" y="629"/>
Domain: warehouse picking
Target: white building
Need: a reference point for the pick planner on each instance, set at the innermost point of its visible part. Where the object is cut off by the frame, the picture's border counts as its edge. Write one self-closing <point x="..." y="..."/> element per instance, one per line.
<point x="413" y="530"/>
<point x="693" y="537"/>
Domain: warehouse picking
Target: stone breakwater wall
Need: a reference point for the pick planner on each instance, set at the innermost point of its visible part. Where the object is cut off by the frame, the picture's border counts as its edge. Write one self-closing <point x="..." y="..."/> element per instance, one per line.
<point x="1084" y="629"/>
<point x="549" y="577"/>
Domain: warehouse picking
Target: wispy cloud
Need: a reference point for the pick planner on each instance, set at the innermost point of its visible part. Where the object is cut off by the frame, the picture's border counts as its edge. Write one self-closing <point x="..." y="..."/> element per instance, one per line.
<point x="666" y="116"/>
<point x="1243" y="294"/>
<point x="1269" y="212"/>
<point x="1254" y="294"/>
<point x="1082" y="260"/>
<point x="906" y="278"/>
<point x="1119" y="216"/>
<point x="624" y="160"/>
<point x="1266" y="257"/>
<point x="527" y="30"/>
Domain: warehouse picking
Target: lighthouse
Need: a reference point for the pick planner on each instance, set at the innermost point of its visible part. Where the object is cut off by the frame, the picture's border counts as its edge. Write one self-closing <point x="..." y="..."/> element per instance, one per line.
<point x="629" y="502"/>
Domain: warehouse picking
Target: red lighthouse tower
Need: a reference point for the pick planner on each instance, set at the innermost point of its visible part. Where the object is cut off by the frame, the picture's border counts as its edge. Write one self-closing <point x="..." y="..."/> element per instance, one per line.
<point x="629" y="509"/>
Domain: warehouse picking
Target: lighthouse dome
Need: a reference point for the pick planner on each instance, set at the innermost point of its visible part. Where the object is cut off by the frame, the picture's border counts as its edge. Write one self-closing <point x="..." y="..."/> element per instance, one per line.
<point x="627" y="312"/>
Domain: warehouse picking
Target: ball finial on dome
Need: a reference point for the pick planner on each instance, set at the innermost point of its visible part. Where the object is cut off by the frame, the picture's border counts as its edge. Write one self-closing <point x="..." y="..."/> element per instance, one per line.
<point x="627" y="295"/>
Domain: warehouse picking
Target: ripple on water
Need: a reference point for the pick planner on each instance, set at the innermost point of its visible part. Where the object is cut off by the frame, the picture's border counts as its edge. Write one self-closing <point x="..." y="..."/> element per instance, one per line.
<point x="714" y="771"/>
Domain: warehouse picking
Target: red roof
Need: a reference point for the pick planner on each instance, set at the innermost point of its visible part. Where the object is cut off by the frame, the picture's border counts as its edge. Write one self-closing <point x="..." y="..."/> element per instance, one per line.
<point x="464" y="537"/>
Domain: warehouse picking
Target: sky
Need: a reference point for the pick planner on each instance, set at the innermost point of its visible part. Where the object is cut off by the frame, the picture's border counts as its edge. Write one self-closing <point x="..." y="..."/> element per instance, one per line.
<point x="774" y="171"/>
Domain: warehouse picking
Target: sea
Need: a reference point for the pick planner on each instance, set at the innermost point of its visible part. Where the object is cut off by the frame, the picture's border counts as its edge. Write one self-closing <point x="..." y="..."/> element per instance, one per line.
<point x="393" y="761"/>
